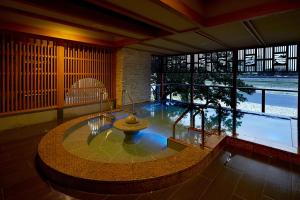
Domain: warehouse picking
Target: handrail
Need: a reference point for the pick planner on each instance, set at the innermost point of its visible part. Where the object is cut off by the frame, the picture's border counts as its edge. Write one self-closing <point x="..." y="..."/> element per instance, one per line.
<point x="219" y="118"/>
<point x="263" y="91"/>
<point x="199" y="110"/>
<point x="194" y="116"/>
<point x="154" y="90"/>
<point x="111" y="106"/>
<point x="222" y="86"/>
<point x="178" y="119"/>
<point x="101" y="100"/>
<point x="202" y="124"/>
<point x="124" y="91"/>
<point x="202" y="127"/>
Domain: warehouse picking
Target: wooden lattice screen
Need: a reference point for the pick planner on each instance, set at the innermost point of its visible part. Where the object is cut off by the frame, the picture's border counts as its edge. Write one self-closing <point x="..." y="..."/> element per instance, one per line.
<point x="38" y="74"/>
<point x="28" y="74"/>
<point x="87" y="71"/>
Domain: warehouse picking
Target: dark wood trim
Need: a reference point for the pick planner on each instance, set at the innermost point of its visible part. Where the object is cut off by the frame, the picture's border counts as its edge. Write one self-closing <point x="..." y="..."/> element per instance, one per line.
<point x="20" y="28"/>
<point x="124" y="42"/>
<point x="60" y="77"/>
<point x="250" y="28"/>
<point x="234" y="91"/>
<point x="238" y="48"/>
<point x="263" y="100"/>
<point x="183" y="10"/>
<point x="192" y="71"/>
<point x="298" y="109"/>
<point x="162" y="87"/>
<point x="253" y="12"/>
<point x="62" y="21"/>
<point x="119" y="9"/>
<point x="101" y="16"/>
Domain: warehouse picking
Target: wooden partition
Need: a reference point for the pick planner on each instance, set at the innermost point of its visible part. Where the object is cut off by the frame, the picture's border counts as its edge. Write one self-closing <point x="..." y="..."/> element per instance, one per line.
<point x="37" y="74"/>
<point x="28" y="74"/>
<point x="88" y="74"/>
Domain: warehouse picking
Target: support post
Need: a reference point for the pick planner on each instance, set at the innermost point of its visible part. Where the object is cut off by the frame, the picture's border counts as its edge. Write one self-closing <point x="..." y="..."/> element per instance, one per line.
<point x="263" y="101"/>
<point x="192" y="67"/>
<point x="298" y="111"/>
<point x="60" y="83"/>
<point x="162" y="87"/>
<point x="234" y="91"/>
<point x="202" y="128"/>
<point x="156" y="93"/>
<point x="219" y="118"/>
<point x="170" y="88"/>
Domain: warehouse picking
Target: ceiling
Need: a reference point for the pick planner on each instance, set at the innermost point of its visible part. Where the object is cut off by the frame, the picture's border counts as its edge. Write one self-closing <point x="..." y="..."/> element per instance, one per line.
<point x="158" y="26"/>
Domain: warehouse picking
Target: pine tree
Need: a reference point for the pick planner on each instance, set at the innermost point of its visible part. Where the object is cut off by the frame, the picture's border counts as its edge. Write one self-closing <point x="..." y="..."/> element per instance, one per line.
<point x="208" y="96"/>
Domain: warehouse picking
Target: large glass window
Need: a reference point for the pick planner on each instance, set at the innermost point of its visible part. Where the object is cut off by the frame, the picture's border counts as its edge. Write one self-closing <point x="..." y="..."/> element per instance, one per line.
<point x="269" y="59"/>
<point x="272" y="71"/>
<point x="266" y="94"/>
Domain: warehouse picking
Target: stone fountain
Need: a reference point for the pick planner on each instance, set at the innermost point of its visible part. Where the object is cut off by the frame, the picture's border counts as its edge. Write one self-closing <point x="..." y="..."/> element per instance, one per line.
<point x="131" y="126"/>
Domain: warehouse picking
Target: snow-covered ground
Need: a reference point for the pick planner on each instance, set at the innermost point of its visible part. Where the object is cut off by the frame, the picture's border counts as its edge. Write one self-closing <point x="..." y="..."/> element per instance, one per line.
<point x="277" y="103"/>
<point x="270" y="109"/>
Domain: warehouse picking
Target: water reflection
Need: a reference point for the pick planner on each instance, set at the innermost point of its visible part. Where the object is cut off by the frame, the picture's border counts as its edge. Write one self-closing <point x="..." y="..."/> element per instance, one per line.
<point x="96" y="126"/>
<point x="268" y="130"/>
<point x="162" y="116"/>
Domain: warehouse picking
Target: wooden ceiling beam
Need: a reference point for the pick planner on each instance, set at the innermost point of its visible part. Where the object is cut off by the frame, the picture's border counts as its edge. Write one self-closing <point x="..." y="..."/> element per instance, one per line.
<point x="125" y="42"/>
<point x="54" y="34"/>
<point x="129" y="13"/>
<point x="183" y="10"/>
<point x="262" y="9"/>
<point x="62" y="21"/>
<point x="252" y="12"/>
<point x="97" y="15"/>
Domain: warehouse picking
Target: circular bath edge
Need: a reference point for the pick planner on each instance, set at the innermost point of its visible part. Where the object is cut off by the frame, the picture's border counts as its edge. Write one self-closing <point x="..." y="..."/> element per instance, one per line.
<point x="63" y="168"/>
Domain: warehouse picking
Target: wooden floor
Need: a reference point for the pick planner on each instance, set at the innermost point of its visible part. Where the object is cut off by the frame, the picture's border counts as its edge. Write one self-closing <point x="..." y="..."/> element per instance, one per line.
<point x="242" y="177"/>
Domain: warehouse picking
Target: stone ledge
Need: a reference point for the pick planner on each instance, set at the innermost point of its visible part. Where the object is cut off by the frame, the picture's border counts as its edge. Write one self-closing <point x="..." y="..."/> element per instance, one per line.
<point x="62" y="167"/>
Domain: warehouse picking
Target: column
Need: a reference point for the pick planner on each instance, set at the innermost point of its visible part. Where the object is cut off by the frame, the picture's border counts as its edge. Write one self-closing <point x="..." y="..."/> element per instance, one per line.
<point x="234" y="91"/>
<point x="60" y="83"/>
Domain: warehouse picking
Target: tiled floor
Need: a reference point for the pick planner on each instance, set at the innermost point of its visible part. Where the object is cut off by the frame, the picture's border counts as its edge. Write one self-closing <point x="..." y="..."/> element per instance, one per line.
<point x="242" y="177"/>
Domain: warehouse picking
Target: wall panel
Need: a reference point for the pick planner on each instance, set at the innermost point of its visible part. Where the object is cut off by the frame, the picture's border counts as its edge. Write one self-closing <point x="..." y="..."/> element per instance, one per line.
<point x="30" y="71"/>
<point x="88" y="74"/>
<point x="25" y="74"/>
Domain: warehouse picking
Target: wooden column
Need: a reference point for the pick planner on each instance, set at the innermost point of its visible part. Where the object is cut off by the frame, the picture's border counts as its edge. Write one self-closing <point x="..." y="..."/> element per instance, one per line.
<point x="60" y="83"/>
<point x="162" y="87"/>
<point x="192" y="80"/>
<point x="114" y="75"/>
<point x="161" y="79"/>
<point x="192" y="70"/>
<point x="234" y="91"/>
<point x="298" y="109"/>
<point x="263" y="100"/>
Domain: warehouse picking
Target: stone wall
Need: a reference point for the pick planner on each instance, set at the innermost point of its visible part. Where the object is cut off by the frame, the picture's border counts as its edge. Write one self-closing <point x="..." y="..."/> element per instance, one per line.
<point x="133" y="74"/>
